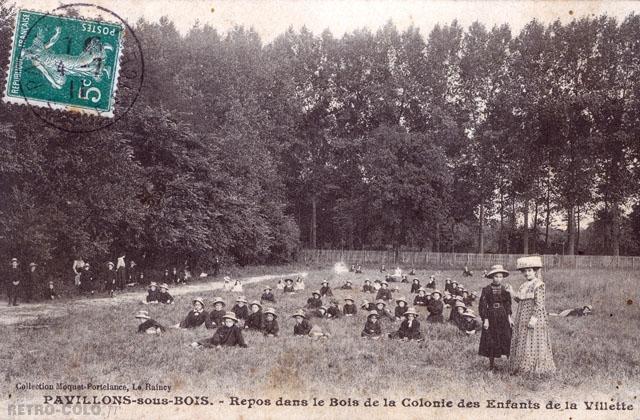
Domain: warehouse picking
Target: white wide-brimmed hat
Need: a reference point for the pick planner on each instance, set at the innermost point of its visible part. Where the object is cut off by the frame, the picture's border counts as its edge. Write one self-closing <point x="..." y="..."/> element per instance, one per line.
<point x="498" y="268"/>
<point x="533" y="261"/>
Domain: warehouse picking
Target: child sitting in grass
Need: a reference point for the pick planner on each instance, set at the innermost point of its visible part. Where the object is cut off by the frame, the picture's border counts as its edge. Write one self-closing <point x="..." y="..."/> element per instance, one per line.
<point x="349" y="308"/>
<point x="152" y="293"/>
<point x="401" y="308"/>
<point x="415" y="286"/>
<point x="372" y="328"/>
<point x="216" y="316"/>
<point x="302" y="326"/>
<point x="432" y="282"/>
<point x="50" y="292"/>
<point x="435" y="308"/>
<point x="196" y="316"/>
<point x="240" y="308"/>
<point x="456" y="311"/>
<point x="321" y="312"/>
<point x="409" y="328"/>
<point x="254" y="320"/>
<point x="584" y="311"/>
<point x="314" y="302"/>
<point x="383" y="312"/>
<point x="228" y="334"/>
<point x="347" y="286"/>
<point x="237" y="287"/>
<point x="149" y="326"/>
<point x="299" y="284"/>
<point x="164" y="296"/>
<point x="467" y="322"/>
<point x="270" y="326"/>
<point x="447" y="285"/>
<point x="421" y="297"/>
<point x="384" y="293"/>
<point x="288" y="286"/>
<point x="280" y="285"/>
<point x="367" y="287"/>
<point x="333" y="311"/>
<point x="368" y="306"/>
<point x="267" y="295"/>
<point x="325" y="290"/>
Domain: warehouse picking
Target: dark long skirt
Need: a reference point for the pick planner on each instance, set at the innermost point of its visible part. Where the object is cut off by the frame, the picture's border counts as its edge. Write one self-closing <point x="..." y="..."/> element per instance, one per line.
<point x="496" y="340"/>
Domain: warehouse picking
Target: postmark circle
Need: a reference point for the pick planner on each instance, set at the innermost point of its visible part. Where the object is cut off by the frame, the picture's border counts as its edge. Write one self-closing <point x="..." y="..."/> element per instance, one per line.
<point x="130" y="77"/>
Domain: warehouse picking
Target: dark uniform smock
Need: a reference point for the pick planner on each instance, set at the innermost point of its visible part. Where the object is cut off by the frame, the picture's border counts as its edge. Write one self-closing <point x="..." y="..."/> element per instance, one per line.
<point x="415" y="287"/>
<point x="225" y="336"/>
<point x="384" y="294"/>
<point x="164" y="297"/>
<point x="334" y="311"/>
<point x="86" y="280"/>
<point x="254" y="321"/>
<point x="371" y="329"/>
<point x="194" y="319"/>
<point x="152" y="296"/>
<point x="242" y="312"/>
<point x="214" y="319"/>
<point x="14" y="284"/>
<point x="495" y="305"/>
<point x="411" y="332"/>
<point x="303" y="328"/>
<point x="270" y="327"/>
<point x="349" y="309"/>
<point x="314" y="303"/>
<point x="400" y="310"/>
<point x="288" y="288"/>
<point x="110" y="281"/>
<point x="367" y="288"/>
<point x="435" y="308"/>
<point x="268" y="297"/>
<point x="326" y="291"/>
<point x="420" y="301"/>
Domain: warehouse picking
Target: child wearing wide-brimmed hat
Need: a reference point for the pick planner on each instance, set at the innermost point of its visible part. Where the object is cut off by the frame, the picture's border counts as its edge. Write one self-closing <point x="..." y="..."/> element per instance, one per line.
<point x="314" y="302"/>
<point x="372" y="328"/>
<point x="349" y="308"/>
<point x="448" y="286"/>
<point x="228" y="334"/>
<point x="348" y="285"/>
<point x="409" y="328"/>
<point x="320" y="312"/>
<point x="435" y="308"/>
<point x="383" y="312"/>
<point x="457" y="308"/>
<point x="270" y="326"/>
<point x="149" y="325"/>
<point x="401" y="308"/>
<point x="384" y="293"/>
<point x="196" y="316"/>
<point x="254" y="320"/>
<point x="467" y="322"/>
<point x="415" y="286"/>
<point x="217" y="314"/>
<point x="288" y="287"/>
<point x="325" y="290"/>
<point x="368" y="306"/>
<point x="267" y="295"/>
<point x="164" y="296"/>
<point x="302" y="326"/>
<point x="495" y="311"/>
<point x="432" y="282"/>
<point x="241" y="309"/>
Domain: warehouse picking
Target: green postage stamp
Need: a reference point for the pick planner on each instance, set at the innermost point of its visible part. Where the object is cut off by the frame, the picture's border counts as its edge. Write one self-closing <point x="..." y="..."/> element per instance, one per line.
<point x="65" y="63"/>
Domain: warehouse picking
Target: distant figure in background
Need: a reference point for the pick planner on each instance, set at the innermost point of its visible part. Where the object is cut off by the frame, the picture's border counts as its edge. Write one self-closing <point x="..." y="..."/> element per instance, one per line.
<point x="87" y="281"/>
<point x="132" y="273"/>
<point x="227" y="283"/>
<point x="412" y="272"/>
<point x="372" y="328"/>
<point x="267" y="295"/>
<point x="376" y="285"/>
<point x="358" y="269"/>
<point x="78" y="265"/>
<point x="530" y="346"/>
<point x="14" y="282"/>
<point x="448" y="287"/>
<point x="121" y="272"/>
<point x="325" y="290"/>
<point x="352" y="269"/>
<point x="347" y="285"/>
<point x="382" y="268"/>
<point x="216" y="266"/>
<point x="299" y="284"/>
<point x="432" y="282"/>
<point x="280" y="285"/>
<point x="175" y="276"/>
<point x="149" y="326"/>
<point x="466" y="272"/>
<point x="32" y="282"/>
<point x="415" y="286"/>
<point x="405" y="279"/>
<point x="110" y="279"/>
<point x="50" y="292"/>
<point x="152" y="293"/>
<point x="584" y="311"/>
<point x="237" y="287"/>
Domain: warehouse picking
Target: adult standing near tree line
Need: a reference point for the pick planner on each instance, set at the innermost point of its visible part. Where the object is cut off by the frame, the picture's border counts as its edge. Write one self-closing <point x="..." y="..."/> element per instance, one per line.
<point x="121" y="275"/>
<point x="78" y="265"/>
<point x="494" y="308"/>
<point x="32" y="282"/>
<point x="14" y="279"/>
<point x="530" y="346"/>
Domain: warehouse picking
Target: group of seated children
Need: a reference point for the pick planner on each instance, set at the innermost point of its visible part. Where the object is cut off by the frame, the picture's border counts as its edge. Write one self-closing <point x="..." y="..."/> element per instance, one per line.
<point x="288" y="286"/>
<point x="158" y="295"/>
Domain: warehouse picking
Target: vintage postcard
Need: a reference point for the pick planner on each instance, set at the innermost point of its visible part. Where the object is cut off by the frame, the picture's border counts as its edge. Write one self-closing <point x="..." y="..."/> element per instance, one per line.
<point x="305" y="209"/>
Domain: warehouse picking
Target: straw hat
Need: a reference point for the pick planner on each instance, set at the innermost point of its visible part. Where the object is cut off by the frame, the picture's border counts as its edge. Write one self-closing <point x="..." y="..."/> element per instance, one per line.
<point x="271" y="311"/>
<point x="459" y="304"/>
<point x="411" y="311"/>
<point x="381" y="301"/>
<point x="288" y="280"/>
<point x="267" y="288"/>
<point x="534" y="261"/>
<point x="349" y="281"/>
<point x="422" y="289"/>
<point x="324" y="308"/>
<point x="384" y="282"/>
<point x="469" y="314"/>
<point x="142" y="315"/>
<point x="373" y="313"/>
<point x="242" y="299"/>
<point x="164" y="286"/>
<point x="401" y="299"/>
<point x="436" y="292"/>
<point x="300" y="313"/>
<point x="227" y="278"/>
<point x="153" y="284"/>
<point x="316" y="292"/>
<point x="198" y="299"/>
<point x="218" y="300"/>
<point x="350" y="298"/>
<point x="230" y="315"/>
<point x="325" y="282"/>
<point x="498" y="268"/>
<point x="255" y="302"/>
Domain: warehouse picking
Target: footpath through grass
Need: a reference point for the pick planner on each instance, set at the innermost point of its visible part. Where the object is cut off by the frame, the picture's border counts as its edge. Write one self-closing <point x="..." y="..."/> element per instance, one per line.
<point x="597" y="355"/>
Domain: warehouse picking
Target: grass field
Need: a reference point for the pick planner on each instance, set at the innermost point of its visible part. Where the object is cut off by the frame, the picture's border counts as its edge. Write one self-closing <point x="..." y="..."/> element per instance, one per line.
<point x="597" y="355"/>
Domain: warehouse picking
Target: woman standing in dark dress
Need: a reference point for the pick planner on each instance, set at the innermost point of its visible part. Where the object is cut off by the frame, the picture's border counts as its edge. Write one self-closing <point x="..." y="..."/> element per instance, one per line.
<point x="495" y="312"/>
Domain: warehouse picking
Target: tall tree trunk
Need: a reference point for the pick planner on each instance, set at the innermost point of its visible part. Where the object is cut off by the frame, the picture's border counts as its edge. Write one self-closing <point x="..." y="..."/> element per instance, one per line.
<point x="501" y="235"/>
<point x="570" y="230"/>
<point x="438" y="237"/>
<point x="577" y="247"/>
<point x="525" y="228"/>
<point x="547" y="220"/>
<point x="615" y="230"/>
<point x="535" y="228"/>
<point x="314" y="205"/>
<point x="481" y="231"/>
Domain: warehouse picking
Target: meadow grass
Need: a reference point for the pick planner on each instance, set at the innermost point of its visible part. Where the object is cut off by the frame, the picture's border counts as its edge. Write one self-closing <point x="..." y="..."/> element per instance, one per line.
<point x="597" y="355"/>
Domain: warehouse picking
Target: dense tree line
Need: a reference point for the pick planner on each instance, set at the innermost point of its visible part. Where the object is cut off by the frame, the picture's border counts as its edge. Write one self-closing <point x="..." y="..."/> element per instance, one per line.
<point x="455" y="140"/>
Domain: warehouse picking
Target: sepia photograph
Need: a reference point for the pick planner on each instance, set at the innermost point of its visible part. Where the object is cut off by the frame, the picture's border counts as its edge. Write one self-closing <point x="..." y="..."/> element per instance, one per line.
<point x="305" y="209"/>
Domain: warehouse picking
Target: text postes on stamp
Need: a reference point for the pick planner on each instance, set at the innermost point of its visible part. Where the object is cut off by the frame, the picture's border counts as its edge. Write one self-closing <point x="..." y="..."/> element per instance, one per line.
<point x="65" y="63"/>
